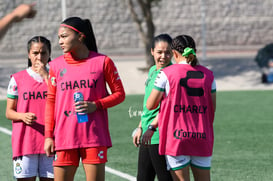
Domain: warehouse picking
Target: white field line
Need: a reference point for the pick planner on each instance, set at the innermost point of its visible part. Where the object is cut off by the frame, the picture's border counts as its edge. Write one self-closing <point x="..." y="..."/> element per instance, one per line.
<point x="107" y="169"/>
<point x="120" y="174"/>
<point x="5" y="130"/>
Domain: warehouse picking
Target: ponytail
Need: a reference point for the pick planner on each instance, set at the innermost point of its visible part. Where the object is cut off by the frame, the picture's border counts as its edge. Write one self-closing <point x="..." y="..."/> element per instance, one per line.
<point x="192" y="60"/>
<point x="90" y="40"/>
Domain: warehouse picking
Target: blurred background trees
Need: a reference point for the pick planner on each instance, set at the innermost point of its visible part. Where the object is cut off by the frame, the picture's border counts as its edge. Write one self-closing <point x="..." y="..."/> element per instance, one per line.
<point x="142" y="15"/>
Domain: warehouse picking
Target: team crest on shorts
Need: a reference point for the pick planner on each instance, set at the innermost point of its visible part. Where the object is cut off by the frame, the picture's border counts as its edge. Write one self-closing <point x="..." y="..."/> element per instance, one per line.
<point x="55" y="157"/>
<point x="18" y="168"/>
<point x="100" y="155"/>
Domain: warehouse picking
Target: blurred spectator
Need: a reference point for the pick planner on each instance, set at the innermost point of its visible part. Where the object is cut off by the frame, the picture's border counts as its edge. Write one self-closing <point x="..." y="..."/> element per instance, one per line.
<point x="264" y="59"/>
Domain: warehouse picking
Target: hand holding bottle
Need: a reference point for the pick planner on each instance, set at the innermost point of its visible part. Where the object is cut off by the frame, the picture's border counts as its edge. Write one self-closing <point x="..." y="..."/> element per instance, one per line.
<point x="80" y="111"/>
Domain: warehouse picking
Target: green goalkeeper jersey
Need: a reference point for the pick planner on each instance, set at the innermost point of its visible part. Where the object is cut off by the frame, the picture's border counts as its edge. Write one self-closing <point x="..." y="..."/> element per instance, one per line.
<point x="148" y="116"/>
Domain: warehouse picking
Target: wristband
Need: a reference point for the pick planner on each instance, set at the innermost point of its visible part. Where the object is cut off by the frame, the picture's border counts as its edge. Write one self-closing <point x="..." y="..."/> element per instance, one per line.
<point x="151" y="127"/>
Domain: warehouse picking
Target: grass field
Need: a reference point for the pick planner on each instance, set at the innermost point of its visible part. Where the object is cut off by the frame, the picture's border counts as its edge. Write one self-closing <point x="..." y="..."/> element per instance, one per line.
<point x="243" y="147"/>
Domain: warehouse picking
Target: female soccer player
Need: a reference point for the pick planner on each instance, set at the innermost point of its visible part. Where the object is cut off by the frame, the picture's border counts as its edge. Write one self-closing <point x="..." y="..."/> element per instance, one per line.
<point x="25" y="107"/>
<point x="186" y="112"/>
<point x="150" y="163"/>
<point x="83" y="69"/>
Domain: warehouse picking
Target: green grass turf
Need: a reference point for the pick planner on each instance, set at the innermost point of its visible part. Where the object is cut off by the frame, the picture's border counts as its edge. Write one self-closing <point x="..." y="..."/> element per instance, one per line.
<point x="243" y="136"/>
<point x="243" y="146"/>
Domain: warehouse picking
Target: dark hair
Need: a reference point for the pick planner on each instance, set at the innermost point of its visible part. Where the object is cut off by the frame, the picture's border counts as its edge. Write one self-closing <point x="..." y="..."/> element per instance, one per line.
<point x="38" y="39"/>
<point x="160" y="38"/>
<point x="181" y="42"/>
<point x="84" y="26"/>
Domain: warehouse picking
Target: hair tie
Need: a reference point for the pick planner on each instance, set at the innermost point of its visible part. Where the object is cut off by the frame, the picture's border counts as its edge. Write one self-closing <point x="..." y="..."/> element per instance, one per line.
<point x="71" y="27"/>
<point x="188" y="51"/>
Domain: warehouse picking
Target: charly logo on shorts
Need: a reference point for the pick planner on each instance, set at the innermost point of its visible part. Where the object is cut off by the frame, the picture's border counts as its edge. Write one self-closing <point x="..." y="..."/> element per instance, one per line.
<point x="100" y="155"/>
<point x="18" y="168"/>
<point x="55" y="157"/>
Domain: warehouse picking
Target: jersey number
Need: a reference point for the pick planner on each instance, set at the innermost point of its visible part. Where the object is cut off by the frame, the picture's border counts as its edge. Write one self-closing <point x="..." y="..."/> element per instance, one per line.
<point x="192" y="75"/>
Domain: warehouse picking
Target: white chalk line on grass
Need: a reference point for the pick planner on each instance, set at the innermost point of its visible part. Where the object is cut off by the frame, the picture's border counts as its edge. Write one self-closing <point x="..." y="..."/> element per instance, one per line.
<point x="107" y="169"/>
<point x="120" y="174"/>
<point x="5" y="130"/>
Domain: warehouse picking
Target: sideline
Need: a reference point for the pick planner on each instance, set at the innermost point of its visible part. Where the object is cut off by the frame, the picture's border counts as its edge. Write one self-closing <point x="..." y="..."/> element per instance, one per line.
<point x="107" y="169"/>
